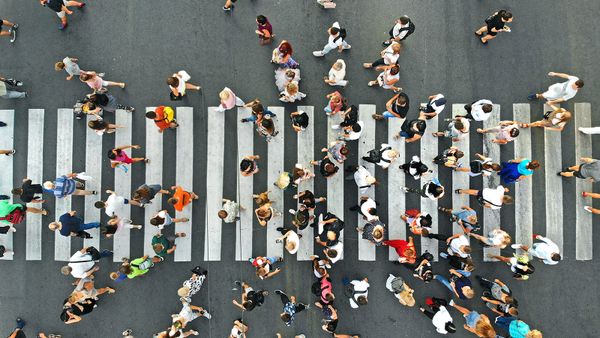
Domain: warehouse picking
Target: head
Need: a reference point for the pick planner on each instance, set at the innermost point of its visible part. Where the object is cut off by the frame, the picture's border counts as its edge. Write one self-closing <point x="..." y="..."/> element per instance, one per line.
<point x="330" y="168"/>
<point x="338" y="65"/>
<point x="507" y="199"/>
<point x="485" y="329"/>
<point x="466" y="249"/>
<point x="48" y="185"/>
<point x="438" y="190"/>
<point x="378" y="233"/>
<point x="224" y="95"/>
<point x="113" y="275"/>
<point x="459" y="154"/>
<point x="173" y="81"/>
<point x="579" y="84"/>
<point x="172" y="201"/>
<point x="59" y="66"/>
<point x="66" y="270"/>
<point x="85" y="77"/>
<point x="507" y="17"/>
<point x="331" y="253"/>
<point x="285" y="48"/>
<point x="403" y="20"/>
<point x="427" y="276"/>
<point x="292" y="88"/>
<point x="362" y="300"/>
<point x="459" y="125"/>
<point x="96" y="124"/>
<point x="261" y="20"/>
<point x="514" y="132"/>
<point x="334" y="30"/>
<point x="487" y="108"/>
<point x="395" y="70"/>
<point x="396" y="48"/>
<point x="183" y="291"/>
<point x="356" y="128"/>
<point x="401" y="100"/>
<point x="496" y="167"/>
<point x="285" y="317"/>
<point x="158" y="247"/>
<point x="257" y="107"/>
<point x="513" y="311"/>
<point x="407" y="297"/>
<point x="556" y="257"/>
<point x="468" y="292"/>
<point x="344" y="150"/>
<point x="151" y="115"/>
<point x="157" y="221"/>
<point x="420" y="126"/>
<point x="534" y="334"/>
<point x="54" y="226"/>
<point x="290" y="246"/>
<point x="533" y="165"/>
<point x="125" y="269"/>
<point x="17" y="191"/>
<point x="330" y="297"/>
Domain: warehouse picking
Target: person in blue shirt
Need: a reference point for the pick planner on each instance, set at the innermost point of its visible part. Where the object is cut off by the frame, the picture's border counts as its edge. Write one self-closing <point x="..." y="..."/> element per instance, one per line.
<point x="71" y="225"/>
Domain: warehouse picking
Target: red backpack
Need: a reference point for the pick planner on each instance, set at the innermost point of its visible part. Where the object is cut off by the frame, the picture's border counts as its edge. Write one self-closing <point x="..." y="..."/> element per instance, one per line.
<point x="15" y="217"/>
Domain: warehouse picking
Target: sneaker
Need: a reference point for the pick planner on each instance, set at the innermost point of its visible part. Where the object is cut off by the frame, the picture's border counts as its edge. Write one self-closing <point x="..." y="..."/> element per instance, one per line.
<point x="588" y="208"/>
<point x="238" y="283"/>
<point x="279" y="292"/>
<point x="101" y="74"/>
<point x="318" y="53"/>
<point x="531" y="97"/>
<point x="443" y="255"/>
<point x="292" y="211"/>
<point x="347" y="47"/>
<point x="13" y="34"/>
<point x="451" y="302"/>
<point x="82" y="5"/>
<point x="227" y="9"/>
<point x="94" y="192"/>
<point x="63" y="26"/>
<point x="280" y="259"/>
<point x="127" y="332"/>
<point x="13" y="151"/>
<point x="2" y="124"/>
<point x="207" y="315"/>
<point x="405" y="189"/>
<point x="130" y="109"/>
<point x="515" y="246"/>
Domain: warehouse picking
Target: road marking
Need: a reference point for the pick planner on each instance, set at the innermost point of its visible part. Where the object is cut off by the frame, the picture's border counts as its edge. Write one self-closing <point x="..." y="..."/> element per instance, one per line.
<point x="306" y="146"/>
<point x="64" y="165"/>
<point x="396" y="180"/>
<point x="154" y="151"/>
<point x="461" y="180"/>
<point x="6" y="163"/>
<point x="35" y="164"/>
<point x="491" y="218"/>
<point x="553" y="183"/>
<point x="276" y="167"/>
<point x="121" y="238"/>
<point x="523" y="189"/>
<point x="184" y="176"/>
<point x="214" y="184"/>
<point x="243" y="233"/>
<point x="335" y="184"/>
<point x="583" y="148"/>
<point x="366" y="249"/>
<point x="93" y="168"/>
<point x="429" y="149"/>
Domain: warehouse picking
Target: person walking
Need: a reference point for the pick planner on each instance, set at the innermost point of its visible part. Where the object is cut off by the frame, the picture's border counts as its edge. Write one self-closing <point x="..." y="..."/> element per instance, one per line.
<point x="299" y="120"/>
<point x="520" y="265"/>
<point x="178" y="83"/>
<point x="559" y="92"/>
<point x="66" y="185"/>
<point x="264" y="30"/>
<point x="181" y="198"/>
<point x="248" y="165"/>
<point x="516" y="170"/>
<point x="432" y="190"/>
<point x="367" y="207"/>
<point x="117" y="223"/>
<point x="250" y="298"/>
<point x="434" y="106"/>
<point x="12" y="29"/>
<point x="418" y="222"/>
<point x="29" y="192"/>
<point x="7" y="93"/>
<point x="230" y="211"/>
<point x="70" y="66"/>
<point x="337" y="39"/>
<point x="264" y="265"/>
<point x="97" y="103"/>
<point x="290" y="308"/>
<point x="100" y="127"/>
<point x="412" y="130"/>
<point x="440" y="317"/>
<point x="164" y="245"/>
<point x="449" y="157"/>
<point x="374" y="232"/>
<point x="162" y="219"/>
<point x="337" y="74"/>
<point x="188" y="313"/>
<point x="466" y="217"/>
<point x="457" y="129"/>
<point x="12" y="214"/>
<point x="401" y="290"/>
<point x="337" y="151"/>
<point x="494" y="24"/>
<point x="61" y="7"/>
<point x="478" y="324"/>
<point x="554" y="120"/>
<point x="164" y="118"/>
<point x="228" y="100"/>
<point x="335" y="103"/>
<point x="546" y="250"/>
<point x="282" y="55"/>
<point x="506" y="132"/>
<point x="415" y="168"/>
<point x="82" y="263"/>
<point x="192" y="285"/>
<point x="114" y="205"/>
<point x="497" y="290"/>
<point x="389" y="56"/>
<point x="383" y="157"/>
<point x="496" y="238"/>
<point x="403" y="27"/>
<point x="405" y="249"/>
<point x="388" y="78"/>
<point x="357" y="291"/>
<point x="516" y="328"/>
<point x="396" y="107"/>
<point x="588" y="170"/>
<point x="96" y="82"/>
<point x="480" y="166"/>
<point x="492" y="198"/>
<point x="69" y="224"/>
<point x="479" y="111"/>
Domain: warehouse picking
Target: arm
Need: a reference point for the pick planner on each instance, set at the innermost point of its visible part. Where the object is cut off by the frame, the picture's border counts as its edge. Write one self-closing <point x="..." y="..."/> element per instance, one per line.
<point x="561" y="75"/>
<point x="170" y="251"/>
<point x="499" y="282"/>
<point x="451" y="238"/>
<point x="74" y="318"/>
<point x="273" y="273"/>
<point x="416" y="137"/>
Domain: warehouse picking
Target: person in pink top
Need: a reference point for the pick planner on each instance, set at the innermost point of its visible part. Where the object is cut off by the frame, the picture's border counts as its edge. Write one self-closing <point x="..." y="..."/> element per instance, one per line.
<point x="118" y="156"/>
<point x="228" y="100"/>
<point x="96" y="82"/>
<point x="335" y="104"/>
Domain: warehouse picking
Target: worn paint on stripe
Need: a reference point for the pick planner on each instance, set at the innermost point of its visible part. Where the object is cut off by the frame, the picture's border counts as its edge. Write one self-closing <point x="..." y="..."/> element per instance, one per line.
<point x="121" y="239"/>
<point x="583" y="148"/>
<point x="366" y="142"/>
<point x="553" y="184"/>
<point x="275" y="168"/>
<point x="243" y="234"/>
<point x="306" y="146"/>
<point x="491" y="218"/>
<point x="64" y="165"/>
<point x="154" y="151"/>
<point x="396" y="180"/>
<point x="429" y="150"/>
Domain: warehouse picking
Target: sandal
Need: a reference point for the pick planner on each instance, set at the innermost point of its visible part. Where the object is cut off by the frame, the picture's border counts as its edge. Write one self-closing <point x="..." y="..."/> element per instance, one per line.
<point x="458" y="191"/>
<point x="483" y="42"/>
<point x="481" y="34"/>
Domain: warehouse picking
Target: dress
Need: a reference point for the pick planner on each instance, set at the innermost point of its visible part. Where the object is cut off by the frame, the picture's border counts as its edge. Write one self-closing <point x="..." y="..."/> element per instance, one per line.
<point x="281" y="79"/>
<point x="512" y="171"/>
<point x="286" y="97"/>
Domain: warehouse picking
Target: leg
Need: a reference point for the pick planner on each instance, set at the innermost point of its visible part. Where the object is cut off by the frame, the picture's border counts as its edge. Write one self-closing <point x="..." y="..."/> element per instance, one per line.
<point x="300" y="307"/>
<point x="429" y="314"/>
<point x="36" y="210"/>
<point x="81" y="192"/>
<point x="444" y="281"/>
<point x="284" y="298"/>
<point x="74" y="3"/>
<point x="481" y="30"/>
<point x="593" y="130"/>
<point x="239" y="102"/>
<point x="192" y="86"/>
<point x="92" y="225"/>
<point x="485" y="283"/>
<point x="590" y="194"/>
<point x="439" y="237"/>
<point x="111" y="83"/>
<point x="106" y="253"/>
<point x="500" y="258"/>
<point x="180" y="220"/>
<point x="471" y="192"/>
<point x="13" y="94"/>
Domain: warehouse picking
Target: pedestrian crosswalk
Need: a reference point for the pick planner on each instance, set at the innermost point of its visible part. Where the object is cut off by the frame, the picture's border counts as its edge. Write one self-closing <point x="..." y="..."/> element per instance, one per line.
<point x="309" y="146"/>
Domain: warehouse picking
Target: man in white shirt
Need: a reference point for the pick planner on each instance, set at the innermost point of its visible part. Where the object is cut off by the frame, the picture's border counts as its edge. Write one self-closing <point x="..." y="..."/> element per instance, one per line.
<point x="389" y="56"/>
<point x="114" y="205"/>
<point x="479" y="110"/>
<point x="360" y="292"/>
<point x="363" y="178"/>
<point x="435" y="106"/>
<point x="560" y="92"/>
<point x="403" y="27"/>
<point x="492" y="198"/>
<point x="368" y="208"/>
<point x="337" y="39"/>
<point x="81" y="264"/>
<point x="547" y="251"/>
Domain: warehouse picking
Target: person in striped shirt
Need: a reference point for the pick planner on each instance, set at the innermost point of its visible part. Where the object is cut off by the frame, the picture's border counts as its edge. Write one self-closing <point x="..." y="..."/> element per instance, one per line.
<point x="66" y="185"/>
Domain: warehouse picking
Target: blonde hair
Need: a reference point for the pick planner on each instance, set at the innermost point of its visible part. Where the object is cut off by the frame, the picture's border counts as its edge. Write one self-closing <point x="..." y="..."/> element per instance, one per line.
<point x="396" y="47"/>
<point x="292" y="88"/>
<point x="407" y="298"/>
<point x="48" y="185"/>
<point x="224" y="95"/>
<point x="534" y="334"/>
<point x="484" y="329"/>
<point x="290" y="245"/>
<point x="53" y="226"/>
<point x="59" y="66"/>
<point x="469" y="293"/>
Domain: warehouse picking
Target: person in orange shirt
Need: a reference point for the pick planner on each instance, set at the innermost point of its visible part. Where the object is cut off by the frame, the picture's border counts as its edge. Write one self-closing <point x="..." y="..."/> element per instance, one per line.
<point x="181" y="198"/>
<point x="164" y="118"/>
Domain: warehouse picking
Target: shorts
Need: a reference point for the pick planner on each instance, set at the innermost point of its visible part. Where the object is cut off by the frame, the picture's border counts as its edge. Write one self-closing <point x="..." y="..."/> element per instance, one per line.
<point x="472" y="318"/>
<point x="489" y="31"/>
<point x="577" y="173"/>
<point x="62" y="14"/>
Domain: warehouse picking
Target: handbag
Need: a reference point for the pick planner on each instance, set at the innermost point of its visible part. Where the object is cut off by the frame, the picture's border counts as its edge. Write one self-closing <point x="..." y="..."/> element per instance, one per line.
<point x="174" y="97"/>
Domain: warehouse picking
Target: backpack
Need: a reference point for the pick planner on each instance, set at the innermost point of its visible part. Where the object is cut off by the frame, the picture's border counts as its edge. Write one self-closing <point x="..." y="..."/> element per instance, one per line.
<point x="14" y="217"/>
<point x="145" y="265"/>
<point x="397" y="284"/>
<point x="476" y="167"/>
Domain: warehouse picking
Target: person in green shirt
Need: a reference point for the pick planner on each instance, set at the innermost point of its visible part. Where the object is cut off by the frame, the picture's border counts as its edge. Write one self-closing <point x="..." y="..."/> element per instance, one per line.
<point x="136" y="267"/>
<point x="163" y="246"/>
<point x="7" y="208"/>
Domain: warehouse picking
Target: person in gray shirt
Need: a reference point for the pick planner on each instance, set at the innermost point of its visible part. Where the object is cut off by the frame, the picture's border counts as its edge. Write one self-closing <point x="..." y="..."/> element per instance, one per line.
<point x="230" y="211"/>
<point x="69" y="65"/>
<point x="589" y="169"/>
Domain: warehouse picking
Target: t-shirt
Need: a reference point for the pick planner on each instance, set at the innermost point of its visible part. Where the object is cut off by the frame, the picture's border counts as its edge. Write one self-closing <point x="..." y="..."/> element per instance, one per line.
<point x="440" y="319"/>
<point x="496" y="21"/>
<point x="401" y="110"/>
<point x="164" y="117"/>
<point x="455" y="244"/>
<point x="493" y="197"/>
<point x="158" y="239"/>
<point x="29" y="191"/>
<point x="360" y="177"/>
<point x="138" y="267"/>
<point x="497" y="291"/>
<point x="69" y="224"/>
<point x="115" y="205"/>
<point x="407" y="127"/>
<point x="79" y="269"/>
<point x="352" y="135"/>
<point x="563" y="90"/>
<point x="233" y="209"/>
<point x="435" y="105"/>
<point x="544" y="251"/>
<point x="459" y="283"/>
<point x="332" y="42"/>
<point x="518" y="329"/>
<point x="505" y="131"/>
<point x="591" y="170"/>
<point x="389" y="57"/>
<point x="339" y="248"/>
<point x="71" y="67"/>
<point x="361" y="288"/>
<point x="55" y="5"/>
<point x="477" y="110"/>
<point x="364" y="209"/>
<point x="183" y="198"/>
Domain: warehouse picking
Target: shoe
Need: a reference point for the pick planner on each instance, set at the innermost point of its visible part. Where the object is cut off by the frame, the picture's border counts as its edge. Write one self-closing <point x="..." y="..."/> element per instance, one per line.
<point x="279" y="229"/>
<point x="559" y="173"/>
<point x="443" y="255"/>
<point x="227" y="9"/>
<point x="318" y="53"/>
<point x="451" y="302"/>
<point x="82" y="5"/>
<point x="588" y="209"/>
<point x="101" y="74"/>
<point x="207" y="315"/>
<point x="531" y="97"/>
<point x="20" y="323"/>
<point x="130" y="109"/>
<point x="63" y="26"/>
<point x="347" y="47"/>
<point x="280" y="259"/>
<point x="127" y="332"/>
<point x="13" y="34"/>
<point x="278" y="241"/>
<point x="199" y="271"/>
<point x="405" y="189"/>
<point x="94" y="192"/>
<point x="534" y="236"/>
<point x="377" y="117"/>
<point x="279" y="292"/>
<point x="584" y="194"/>
<point x="2" y="124"/>
<point x="244" y="120"/>
<point x="292" y="211"/>
<point x="238" y="283"/>
<point x="13" y="151"/>
<point x="386" y="43"/>
<point x="515" y="246"/>
<point x="26" y="94"/>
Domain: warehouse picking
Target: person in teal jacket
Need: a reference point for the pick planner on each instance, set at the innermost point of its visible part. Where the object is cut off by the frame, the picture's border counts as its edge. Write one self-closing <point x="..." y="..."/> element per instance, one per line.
<point x="517" y="328"/>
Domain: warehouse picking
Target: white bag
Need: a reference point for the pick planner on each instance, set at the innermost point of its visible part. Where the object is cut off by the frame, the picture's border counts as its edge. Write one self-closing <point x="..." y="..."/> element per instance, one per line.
<point x="82" y="176"/>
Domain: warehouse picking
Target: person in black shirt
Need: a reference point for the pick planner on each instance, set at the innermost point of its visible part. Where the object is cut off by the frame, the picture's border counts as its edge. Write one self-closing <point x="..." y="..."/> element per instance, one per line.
<point x="61" y="7"/>
<point x="493" y="24"/>
<point x="412" y="130"/>
<point x="397" y="106"/>
<point x="28" y="190"/>
<point x="307" y="198"/>
<point x="107" y="102"/>
<point x="326" y="167"/>
<point x="250" y="298"/>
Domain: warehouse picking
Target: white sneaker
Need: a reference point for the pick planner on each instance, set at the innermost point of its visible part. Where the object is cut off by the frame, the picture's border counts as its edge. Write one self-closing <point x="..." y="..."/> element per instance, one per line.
<point x="347" y="47"/>
<point x="292" y="211"/>
<point x="335" y="127"/>
<point x="405" y="189"/>
<point x="587" y="208"/>
<point x="318" y="53"/>
<point x="516" y="246"/>
<point x="451" y="302"/>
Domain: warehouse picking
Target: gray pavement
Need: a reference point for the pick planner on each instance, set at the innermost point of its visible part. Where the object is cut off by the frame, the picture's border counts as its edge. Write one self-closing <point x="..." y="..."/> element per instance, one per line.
<point x="142" y="42"/>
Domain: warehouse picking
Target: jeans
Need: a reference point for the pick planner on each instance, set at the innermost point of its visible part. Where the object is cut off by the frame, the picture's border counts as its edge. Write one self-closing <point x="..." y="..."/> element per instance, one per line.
<point x="87" y="226"/>
<point x="105" y="253"/>
<point x="504" y="322"/>
<point x="253" y="118"/>
<point x="13" y="94"/>
<point x="445" y="280"/>
<point x="328" y="48"/>
<point x="387" y="115"/>
<point x="379" y="62"/>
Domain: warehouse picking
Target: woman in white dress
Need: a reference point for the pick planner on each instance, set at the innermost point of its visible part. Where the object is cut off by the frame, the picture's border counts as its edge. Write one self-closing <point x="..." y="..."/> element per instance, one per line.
<point x="291" y="93"/>
<point x="337" y="73"/>
<point x="178" y="83"/>
<point x="283" y="76"/>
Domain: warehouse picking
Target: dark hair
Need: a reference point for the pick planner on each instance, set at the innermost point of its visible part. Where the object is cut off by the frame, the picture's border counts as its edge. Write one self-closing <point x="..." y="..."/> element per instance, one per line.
<point x="362" y="300"/>
<point x="258" y="107"/>
<point x="459" y="154"/>
<point x="173" y="81"/>
<point x="427" y="276"/>
<point x="268" y="125"/>
<point x="17" y="191"/>
<point x="285" y="317"/>
<point x="334" y="30"/>
<point x="395" y="69"/>
<point x="514" y="132"/>
<point x="467" y="249"/>
<point x="245" y="164"/>
<point x="99" y="204"/>
<point x="285" y="48"/>
<point x="496" y="167"/>
<point x="112" y="154"/>
<point x="533" y="165"/>
<point x="421" y="125"/>
<point x="487" y="107"/>
<point x="172" y="200"/>
<point x="450" y="328"/>
<point x="507" y="199"/>
<point x="97" y="124"/>
<point x="579" y="83"/>
<point x="109" y="229"/>
<point x="556" y="257"/>
<point x="222" y="214"/>
<point x="261" y="19"/>
<point x="151" y="115"/>
<point x="401" y="100"/>
<point x="506" y="15"/>
<point x="404" y="19"/>
<point x="329" y="296"/>
<point x="157" y="221"/>
<point x="425" y="221"/>
<point x="356" y="128"/>
<point x="423" y="168"/>
<point x="332" y="253"/>
<point x="125" y="269"/>
<point x="373" y="211"/>
<point x="438" y="190"/>
<point x="459" y="125"/>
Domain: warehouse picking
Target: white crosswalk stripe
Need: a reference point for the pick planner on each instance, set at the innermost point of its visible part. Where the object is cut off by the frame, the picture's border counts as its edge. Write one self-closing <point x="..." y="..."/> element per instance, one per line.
<point x="274" y="165"/>
<point x="335" y="184"/>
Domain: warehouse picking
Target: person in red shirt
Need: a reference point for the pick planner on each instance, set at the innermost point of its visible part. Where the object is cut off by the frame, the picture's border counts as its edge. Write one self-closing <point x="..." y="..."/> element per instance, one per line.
<point x="181" y="198"/>
<point x="164" y="118"/>
<point x="406" y="250"/>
